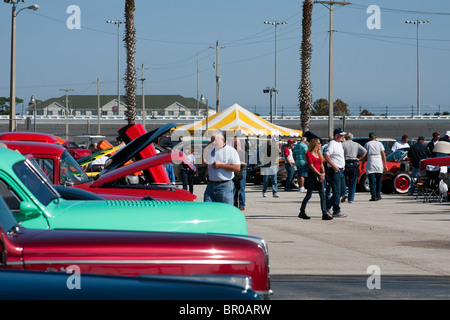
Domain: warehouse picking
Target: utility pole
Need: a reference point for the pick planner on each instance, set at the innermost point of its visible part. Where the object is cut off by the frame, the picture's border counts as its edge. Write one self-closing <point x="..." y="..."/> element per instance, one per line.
<point x="67" y="110"/>
<point x="330" y="62"/>
<point x="217" y="75"/>
<point x="98" y="107"/>
<point x="144" y="114"/>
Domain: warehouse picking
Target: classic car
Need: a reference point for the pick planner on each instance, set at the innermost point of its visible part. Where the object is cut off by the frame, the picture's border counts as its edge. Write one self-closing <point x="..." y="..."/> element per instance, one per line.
<point x="29" y="193"/>
<point x="62" y="169"/>
<point x="38" y="285"/>
<point x="74" y="150"/>
<point x="37" y="247"/>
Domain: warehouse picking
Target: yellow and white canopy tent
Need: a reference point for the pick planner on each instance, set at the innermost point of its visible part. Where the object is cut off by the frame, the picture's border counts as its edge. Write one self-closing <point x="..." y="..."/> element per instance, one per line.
<point x="237" y="118"/>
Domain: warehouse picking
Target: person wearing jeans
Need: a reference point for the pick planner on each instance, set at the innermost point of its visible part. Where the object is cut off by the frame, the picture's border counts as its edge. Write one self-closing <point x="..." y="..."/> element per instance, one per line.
<point x="353" y="153"/>
<point x="334" y="156"/>
<point x="290" y="169"/>
<point x="376" y="162"/>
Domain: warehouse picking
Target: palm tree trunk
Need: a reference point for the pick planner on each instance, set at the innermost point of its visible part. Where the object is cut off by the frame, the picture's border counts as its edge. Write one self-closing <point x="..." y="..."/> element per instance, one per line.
<point x="305" y="94"/>
<point x="130" y="78"/>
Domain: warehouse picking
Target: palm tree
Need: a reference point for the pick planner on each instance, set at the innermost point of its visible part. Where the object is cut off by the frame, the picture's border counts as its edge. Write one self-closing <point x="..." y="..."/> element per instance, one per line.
<point x="305" y="95"/>
<point x="130" y="77"/>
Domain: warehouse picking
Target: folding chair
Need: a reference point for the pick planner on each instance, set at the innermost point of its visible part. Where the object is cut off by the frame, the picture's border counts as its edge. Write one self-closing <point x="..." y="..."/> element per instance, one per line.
<point x="429" y="186"/>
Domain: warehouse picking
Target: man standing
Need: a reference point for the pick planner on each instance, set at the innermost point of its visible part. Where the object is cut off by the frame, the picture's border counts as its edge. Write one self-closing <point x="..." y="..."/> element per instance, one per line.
<point x="289" y="164"/>
<point x="270" y="160"/>
<point x="353" y="153"/>
<point x="299" y="153"/>
<point x="432" y="143"/>
<point x="334" y="156"/>
<point x="239" y="192"/>
<point x="222" y="160"/>
<point x="376" y="161"/>
<point x="417" y="152"/>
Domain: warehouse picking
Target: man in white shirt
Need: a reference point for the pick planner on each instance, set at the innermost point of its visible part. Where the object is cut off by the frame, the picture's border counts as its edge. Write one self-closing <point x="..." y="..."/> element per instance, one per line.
<point x="334" y="156"/>
<point x="403" y="143"/>
<point x="222" y="160"/>
<point x="376" y="162"/>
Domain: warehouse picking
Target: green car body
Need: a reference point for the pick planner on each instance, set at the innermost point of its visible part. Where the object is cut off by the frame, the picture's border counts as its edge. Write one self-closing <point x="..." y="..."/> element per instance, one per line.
<point x="38" y="205"/>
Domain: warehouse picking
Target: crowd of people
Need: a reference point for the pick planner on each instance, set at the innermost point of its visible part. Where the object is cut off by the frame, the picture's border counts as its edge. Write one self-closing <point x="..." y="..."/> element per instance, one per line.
<point x="330" y="167"/>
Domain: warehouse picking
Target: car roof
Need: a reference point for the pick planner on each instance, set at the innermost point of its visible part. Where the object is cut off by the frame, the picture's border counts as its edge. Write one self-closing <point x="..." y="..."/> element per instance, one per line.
<point x="35" y="147"/>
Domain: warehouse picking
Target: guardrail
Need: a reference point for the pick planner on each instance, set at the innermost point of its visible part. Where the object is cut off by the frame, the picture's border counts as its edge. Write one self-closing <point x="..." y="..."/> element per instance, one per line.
<point x="197" y="118"/>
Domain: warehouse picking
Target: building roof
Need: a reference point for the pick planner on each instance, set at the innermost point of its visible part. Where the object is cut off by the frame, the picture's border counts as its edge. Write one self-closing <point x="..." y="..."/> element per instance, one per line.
<point x="80" y="102"/>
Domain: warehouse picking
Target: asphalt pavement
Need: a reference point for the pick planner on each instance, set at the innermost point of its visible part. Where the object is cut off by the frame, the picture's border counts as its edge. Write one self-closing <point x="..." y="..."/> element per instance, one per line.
<point x="398" y="240"/>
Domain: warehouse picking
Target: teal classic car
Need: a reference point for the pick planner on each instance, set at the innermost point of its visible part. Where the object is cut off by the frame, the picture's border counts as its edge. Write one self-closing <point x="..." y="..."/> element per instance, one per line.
<point x="34" y="201"/>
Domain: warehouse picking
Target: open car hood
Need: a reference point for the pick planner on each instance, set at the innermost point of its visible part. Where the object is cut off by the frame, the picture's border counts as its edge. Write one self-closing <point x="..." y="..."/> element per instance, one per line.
<point x="88" y="159"/>
<point x="159" y="159"/>
<point x="133" y="148"/>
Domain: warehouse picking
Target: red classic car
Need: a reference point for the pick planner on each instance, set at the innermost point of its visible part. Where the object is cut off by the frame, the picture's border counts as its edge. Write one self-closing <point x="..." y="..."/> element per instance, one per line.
<point x="130" y="253"/>
<point x="61" y="169"/>
<point x="74" y="150"/>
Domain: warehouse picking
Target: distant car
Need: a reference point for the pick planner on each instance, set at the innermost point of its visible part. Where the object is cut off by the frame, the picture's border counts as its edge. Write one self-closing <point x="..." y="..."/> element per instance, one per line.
<point x="38" y="285"/>
<point x="75" y="151"/>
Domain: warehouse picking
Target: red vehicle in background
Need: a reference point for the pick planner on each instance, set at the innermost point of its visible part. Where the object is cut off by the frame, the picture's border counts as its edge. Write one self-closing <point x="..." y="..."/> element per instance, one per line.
<point x="62" y="169"/>
<point x="75" y="151"/>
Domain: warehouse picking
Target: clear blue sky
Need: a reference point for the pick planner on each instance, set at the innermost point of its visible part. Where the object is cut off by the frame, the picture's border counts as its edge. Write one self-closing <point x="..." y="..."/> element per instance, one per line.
<point x="372" y="68"/>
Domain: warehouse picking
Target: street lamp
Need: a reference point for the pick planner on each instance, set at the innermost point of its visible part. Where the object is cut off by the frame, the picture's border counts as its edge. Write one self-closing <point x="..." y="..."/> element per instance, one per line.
<point x="275" y="23"/>
<point x="417" y="22"/>
<point x="203" y="100"/>
<point x="33" y="103"/>
<point x="271" y="91"/>
<point x="118" y="22"/>
<point x="12" y="94"/>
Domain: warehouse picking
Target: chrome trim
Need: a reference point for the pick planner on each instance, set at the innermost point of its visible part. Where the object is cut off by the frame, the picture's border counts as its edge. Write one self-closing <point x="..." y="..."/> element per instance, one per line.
<point x="214" y="262"/>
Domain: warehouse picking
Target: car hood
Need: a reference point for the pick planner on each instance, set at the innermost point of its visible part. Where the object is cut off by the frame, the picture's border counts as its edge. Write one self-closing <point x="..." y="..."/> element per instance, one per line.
<point x="133" y="148"/>
<point x="168" y="216"/>
<point x="159" y="159"/>
<point x="94" y="156"/>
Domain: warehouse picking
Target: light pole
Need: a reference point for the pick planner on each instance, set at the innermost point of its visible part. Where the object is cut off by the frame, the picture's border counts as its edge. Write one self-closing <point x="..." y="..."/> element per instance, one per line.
<point x="271" y="91"/>
<point x="118" y="22"/>
<point x="203" y="100"/>
<point x="417" y="22"/>
<point x="275" y="23"/>
<point x="12" y="93"/>
<point x="33" y="103"/>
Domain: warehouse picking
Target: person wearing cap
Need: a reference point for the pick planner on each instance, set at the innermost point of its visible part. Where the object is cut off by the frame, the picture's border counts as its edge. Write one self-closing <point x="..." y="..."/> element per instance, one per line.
<point x="417" y="152"/>
<point x="334" y="156"/>
<point x="289" y="164"/>
<point x="446" y="137"/>
<point x="376" y="162"/>
<point x="403" y="143"/>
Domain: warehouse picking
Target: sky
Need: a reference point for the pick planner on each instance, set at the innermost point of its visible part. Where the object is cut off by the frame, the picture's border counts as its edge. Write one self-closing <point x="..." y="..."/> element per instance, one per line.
<point x="373" y="68"/>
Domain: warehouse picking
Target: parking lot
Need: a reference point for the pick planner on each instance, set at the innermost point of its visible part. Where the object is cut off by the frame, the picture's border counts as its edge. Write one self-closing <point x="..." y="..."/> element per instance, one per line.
<point x="400" y="235"/>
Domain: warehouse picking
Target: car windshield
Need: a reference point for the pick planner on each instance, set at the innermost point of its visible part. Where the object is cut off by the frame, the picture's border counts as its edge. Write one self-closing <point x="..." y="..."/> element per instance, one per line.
<point x="398" y="155"/>
<point x="7" y="220"/>
<point x="31" y="176"/>
<point x="70" y="171"/>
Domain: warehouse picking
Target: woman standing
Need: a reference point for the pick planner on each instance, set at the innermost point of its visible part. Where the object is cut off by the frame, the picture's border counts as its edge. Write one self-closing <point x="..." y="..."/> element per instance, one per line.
<point x="316" y="176"/>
